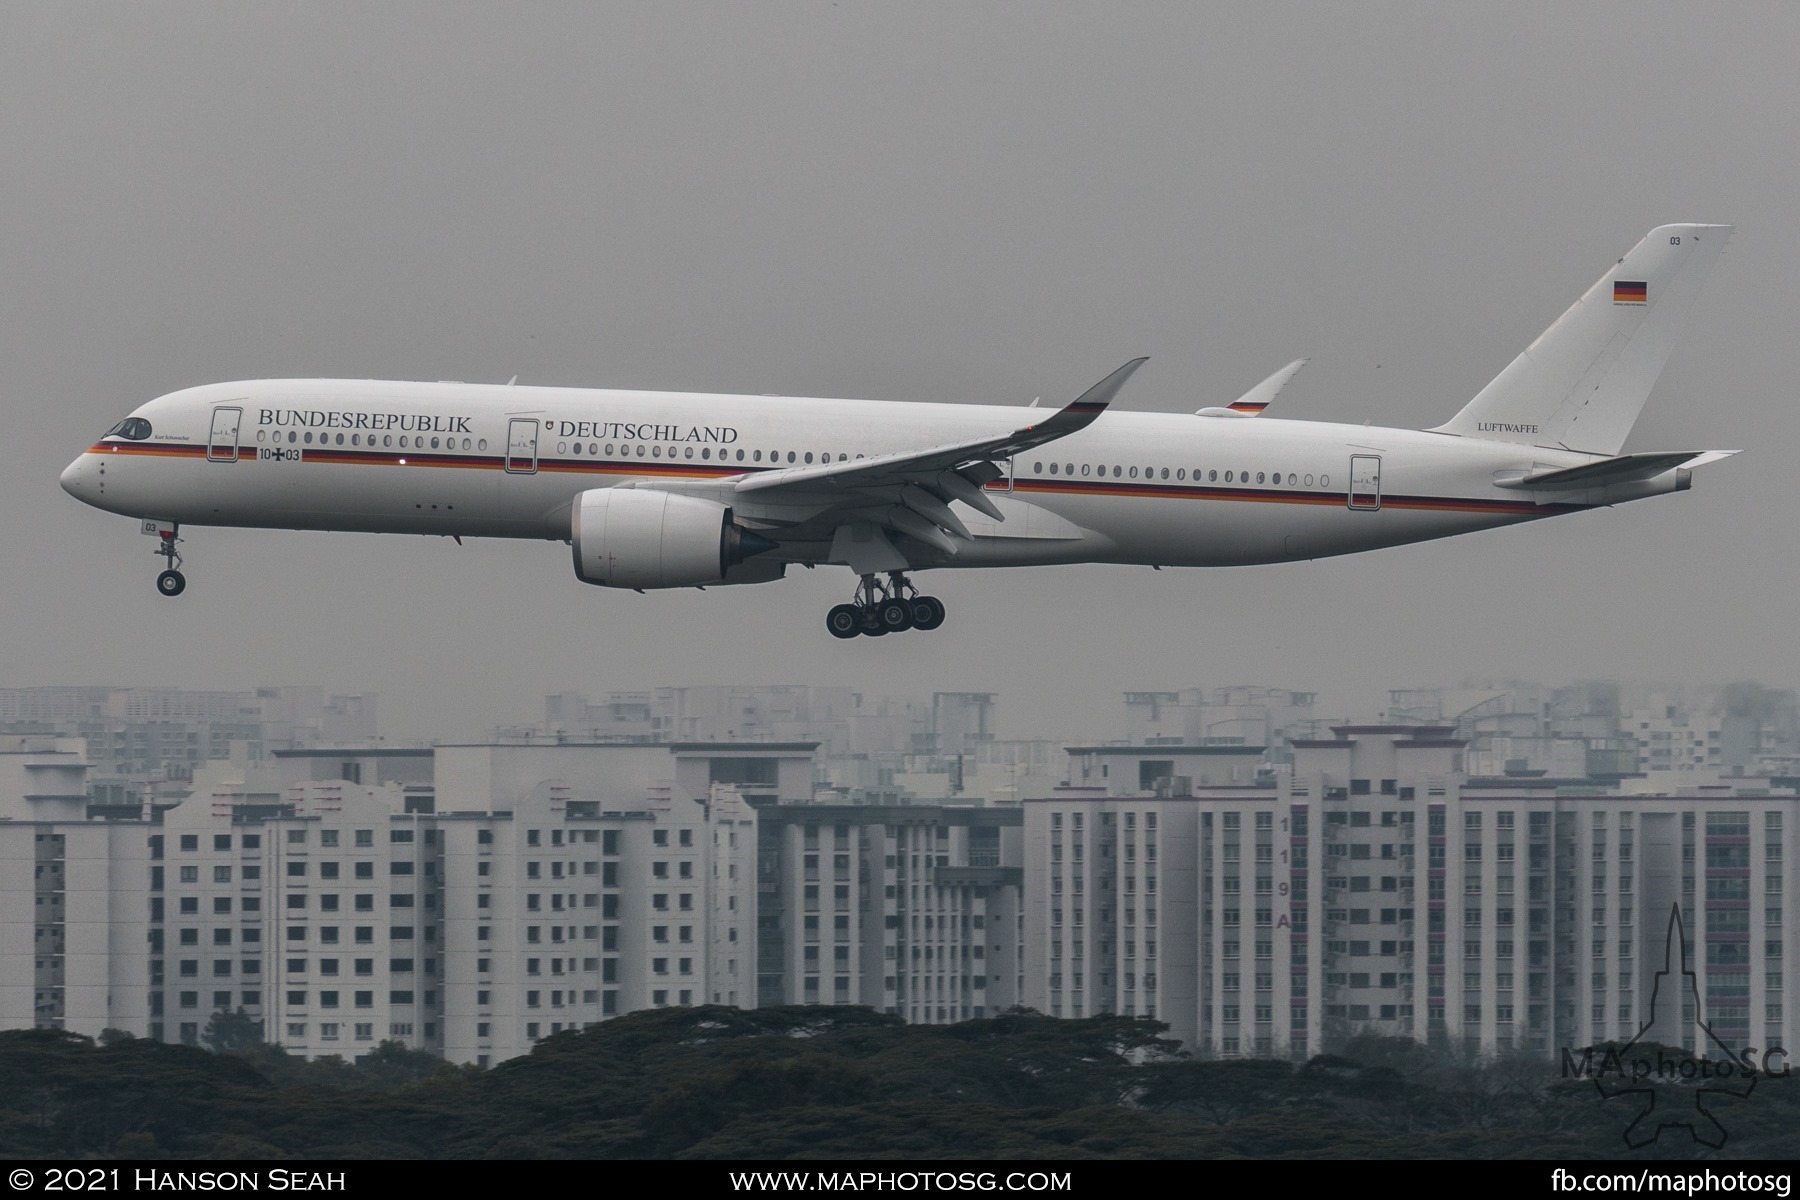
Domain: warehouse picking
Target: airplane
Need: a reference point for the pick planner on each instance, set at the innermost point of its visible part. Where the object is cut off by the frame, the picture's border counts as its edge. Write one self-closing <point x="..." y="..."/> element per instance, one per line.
<point x="667" y="490"/>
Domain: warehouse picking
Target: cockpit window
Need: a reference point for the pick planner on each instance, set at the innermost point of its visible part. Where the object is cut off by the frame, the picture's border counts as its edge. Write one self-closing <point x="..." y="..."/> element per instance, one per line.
<point x="132" y="429"/>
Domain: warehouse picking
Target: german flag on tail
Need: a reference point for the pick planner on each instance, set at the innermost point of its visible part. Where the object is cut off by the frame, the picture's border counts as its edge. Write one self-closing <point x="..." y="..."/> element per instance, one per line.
<point x="1630" y="293"/>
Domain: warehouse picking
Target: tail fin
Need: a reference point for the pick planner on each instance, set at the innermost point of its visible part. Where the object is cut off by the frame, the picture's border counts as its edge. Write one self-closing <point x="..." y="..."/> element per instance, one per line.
<point x="1581" y="385"/>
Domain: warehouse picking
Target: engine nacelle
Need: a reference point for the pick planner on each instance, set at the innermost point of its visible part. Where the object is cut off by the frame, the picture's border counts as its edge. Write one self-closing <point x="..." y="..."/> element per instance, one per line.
<point x="641" y="538"/>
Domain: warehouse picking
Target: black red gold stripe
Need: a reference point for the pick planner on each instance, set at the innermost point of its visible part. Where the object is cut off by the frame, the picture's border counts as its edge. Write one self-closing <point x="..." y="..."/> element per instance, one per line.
<point x="691" y="471"/>
<point x="1329" y="499"/>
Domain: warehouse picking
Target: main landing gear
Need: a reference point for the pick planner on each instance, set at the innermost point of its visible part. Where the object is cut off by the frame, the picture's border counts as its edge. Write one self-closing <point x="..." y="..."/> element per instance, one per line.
<point x="885" y="608"/>
<point x="171" y="582"/>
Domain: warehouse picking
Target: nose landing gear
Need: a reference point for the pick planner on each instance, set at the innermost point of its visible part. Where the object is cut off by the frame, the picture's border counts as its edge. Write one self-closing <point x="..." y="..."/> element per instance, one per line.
<point x="881" y="609"/>
<point x="171" y="582"/>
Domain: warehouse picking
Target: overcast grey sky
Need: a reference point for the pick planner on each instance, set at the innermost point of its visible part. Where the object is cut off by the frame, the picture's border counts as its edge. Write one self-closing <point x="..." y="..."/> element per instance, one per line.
<point x="939" y="201"/>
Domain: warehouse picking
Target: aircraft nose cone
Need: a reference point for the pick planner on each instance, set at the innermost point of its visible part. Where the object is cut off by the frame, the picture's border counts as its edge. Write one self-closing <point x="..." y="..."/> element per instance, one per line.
<point x="75" y="478"/>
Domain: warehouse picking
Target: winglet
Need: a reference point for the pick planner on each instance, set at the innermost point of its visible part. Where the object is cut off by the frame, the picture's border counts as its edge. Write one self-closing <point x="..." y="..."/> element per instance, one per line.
<point x="1089" y="405"/>
<point x="1252" y="402"/>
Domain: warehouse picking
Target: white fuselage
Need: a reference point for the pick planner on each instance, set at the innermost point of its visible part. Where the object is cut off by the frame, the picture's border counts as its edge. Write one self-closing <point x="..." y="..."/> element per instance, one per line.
<point x="500" y="461"/>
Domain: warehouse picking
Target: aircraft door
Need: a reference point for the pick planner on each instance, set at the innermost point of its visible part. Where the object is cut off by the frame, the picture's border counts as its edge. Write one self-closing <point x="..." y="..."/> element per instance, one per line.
<point x="1365" y="481"/>
<point x="1006" y="481"/>
<point x="222" y="441"/>
<point x="522" y="446"/>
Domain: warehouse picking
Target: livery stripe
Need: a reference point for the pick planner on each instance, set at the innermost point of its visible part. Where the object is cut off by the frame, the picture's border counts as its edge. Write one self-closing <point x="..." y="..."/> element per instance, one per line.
<point x="1036" y="486"/>
<point x="1335" y="499"/>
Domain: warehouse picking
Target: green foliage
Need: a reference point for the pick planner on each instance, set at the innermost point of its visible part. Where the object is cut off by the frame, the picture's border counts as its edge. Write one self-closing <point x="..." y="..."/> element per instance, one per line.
<point x="229" y="1031"/>
<point x="819" y="1082"/>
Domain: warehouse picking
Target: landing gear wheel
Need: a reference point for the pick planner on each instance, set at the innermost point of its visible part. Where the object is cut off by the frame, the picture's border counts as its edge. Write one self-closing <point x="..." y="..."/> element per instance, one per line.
<point x="870" y="622"/>
<point x="927" y="612"/>
<point x="895" y="615"/>
<point x="844" y="621"/>
<point x="171" y="583"/>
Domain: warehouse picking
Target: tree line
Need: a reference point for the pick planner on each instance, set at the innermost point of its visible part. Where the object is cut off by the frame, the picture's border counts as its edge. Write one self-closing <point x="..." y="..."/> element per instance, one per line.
<point x="823" y="1082"/>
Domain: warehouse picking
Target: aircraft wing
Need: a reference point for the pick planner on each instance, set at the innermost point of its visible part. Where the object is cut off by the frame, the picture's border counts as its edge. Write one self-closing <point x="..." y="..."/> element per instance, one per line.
<point x="909" y="492"/>
<point x="917" y="466"/>
<point x="1626" y="468"/>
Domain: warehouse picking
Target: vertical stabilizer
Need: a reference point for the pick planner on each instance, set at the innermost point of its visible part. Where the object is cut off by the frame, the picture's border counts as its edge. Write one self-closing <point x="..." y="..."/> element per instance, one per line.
<point x="1581" y="385"/>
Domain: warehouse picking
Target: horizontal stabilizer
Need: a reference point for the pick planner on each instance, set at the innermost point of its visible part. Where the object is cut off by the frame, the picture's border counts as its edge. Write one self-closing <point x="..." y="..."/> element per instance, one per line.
<point x="1624" y="469"/>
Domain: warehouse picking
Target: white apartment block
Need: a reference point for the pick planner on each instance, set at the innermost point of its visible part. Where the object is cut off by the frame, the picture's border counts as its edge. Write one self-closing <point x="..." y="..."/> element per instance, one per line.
<point x="1376" y="889"/>
<point x="341" y="914"/>
<point x="910" y="909"/>
<point x="470" y="900"/>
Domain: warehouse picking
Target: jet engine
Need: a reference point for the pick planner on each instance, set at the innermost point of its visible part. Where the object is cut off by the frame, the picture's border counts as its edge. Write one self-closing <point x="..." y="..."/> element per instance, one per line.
<point x="640" y="538"/>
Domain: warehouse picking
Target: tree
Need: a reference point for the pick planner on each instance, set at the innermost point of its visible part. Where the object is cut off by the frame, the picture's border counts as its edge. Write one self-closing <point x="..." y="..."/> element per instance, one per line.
<point x="228" y="1031"/>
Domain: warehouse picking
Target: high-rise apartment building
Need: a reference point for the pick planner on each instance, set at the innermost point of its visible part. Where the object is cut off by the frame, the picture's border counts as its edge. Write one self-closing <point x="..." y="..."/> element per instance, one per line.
<point x="507" y="894"/>
<point x="910" y="909"/>
<point x="469" y="900"/>
<point x="1378" y="889"/>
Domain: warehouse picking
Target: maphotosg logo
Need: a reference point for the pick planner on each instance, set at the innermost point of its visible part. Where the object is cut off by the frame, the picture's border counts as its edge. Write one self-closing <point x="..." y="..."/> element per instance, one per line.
<point x="1675" y="1087"/>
